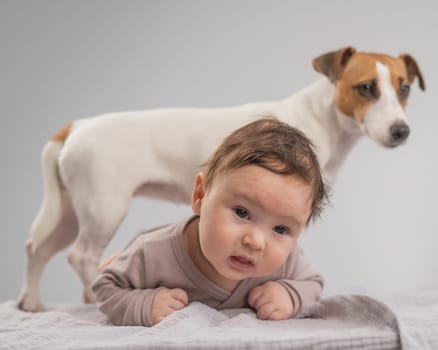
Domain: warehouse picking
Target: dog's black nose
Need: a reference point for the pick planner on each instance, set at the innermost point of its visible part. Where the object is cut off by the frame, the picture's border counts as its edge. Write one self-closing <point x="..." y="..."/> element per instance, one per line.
<point x="399" y="132"/>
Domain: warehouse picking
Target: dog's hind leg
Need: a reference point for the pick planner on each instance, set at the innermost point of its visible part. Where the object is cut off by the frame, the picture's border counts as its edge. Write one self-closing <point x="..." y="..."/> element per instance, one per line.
<point x="98" y="222"/>
<point x="39" y="253"/>
<point x="53" y="229"/>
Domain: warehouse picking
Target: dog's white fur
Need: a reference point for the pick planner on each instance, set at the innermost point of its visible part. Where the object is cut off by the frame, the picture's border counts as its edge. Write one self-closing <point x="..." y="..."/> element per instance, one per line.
<point x="90" y="177"/>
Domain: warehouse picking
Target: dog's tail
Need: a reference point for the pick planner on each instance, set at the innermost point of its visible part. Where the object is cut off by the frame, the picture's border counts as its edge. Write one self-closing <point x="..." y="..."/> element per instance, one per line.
<point x="51" y="211"/>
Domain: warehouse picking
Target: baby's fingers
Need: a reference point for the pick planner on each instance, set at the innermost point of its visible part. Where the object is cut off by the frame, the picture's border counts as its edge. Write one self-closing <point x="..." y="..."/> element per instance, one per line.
<point x="266" y="310"/>
<point x="272" y="312"/>
<point x="255" y="296"/>
<point x="176" y="305"/>
<point x="180" y="295"/>
<point x="277" y="315"/>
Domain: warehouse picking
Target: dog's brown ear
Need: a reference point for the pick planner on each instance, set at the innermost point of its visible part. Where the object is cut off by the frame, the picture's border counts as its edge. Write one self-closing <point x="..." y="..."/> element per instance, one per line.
<point x="333" y="63"/>
<point x="413" y="70"/>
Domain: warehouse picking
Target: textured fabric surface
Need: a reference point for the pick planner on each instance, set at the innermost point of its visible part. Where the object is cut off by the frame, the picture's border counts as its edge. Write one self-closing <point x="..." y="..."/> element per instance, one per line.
<point x="338" y="322"/>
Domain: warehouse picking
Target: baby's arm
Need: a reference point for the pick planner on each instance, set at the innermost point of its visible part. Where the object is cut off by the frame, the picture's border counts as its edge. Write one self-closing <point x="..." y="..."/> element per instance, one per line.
<point x="301" y="284"/>
<point x="125" y="296"/>
<point x="167" y="301"/>
<point x="271" y="301"/>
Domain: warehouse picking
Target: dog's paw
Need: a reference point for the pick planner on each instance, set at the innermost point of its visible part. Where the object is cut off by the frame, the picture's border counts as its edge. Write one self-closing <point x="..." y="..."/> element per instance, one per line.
<point x="27" y="303"/>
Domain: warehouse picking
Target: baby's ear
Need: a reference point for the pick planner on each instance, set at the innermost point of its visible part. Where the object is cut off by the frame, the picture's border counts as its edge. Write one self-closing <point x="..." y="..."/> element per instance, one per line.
<point x="198" y="193"/>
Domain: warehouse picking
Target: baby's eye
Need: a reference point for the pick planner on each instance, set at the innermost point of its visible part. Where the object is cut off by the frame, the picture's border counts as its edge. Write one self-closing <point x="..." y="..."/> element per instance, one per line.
<point x="241" y="213"/>
<point x="281" y="230"/>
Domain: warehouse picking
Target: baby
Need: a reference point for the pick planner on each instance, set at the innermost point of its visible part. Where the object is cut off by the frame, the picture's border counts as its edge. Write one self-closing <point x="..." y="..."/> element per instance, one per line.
<point x="259" y="190"/>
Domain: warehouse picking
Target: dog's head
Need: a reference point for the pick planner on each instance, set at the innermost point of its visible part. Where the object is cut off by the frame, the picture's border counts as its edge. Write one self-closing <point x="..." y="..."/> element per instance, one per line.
<point x="372" y="89"/>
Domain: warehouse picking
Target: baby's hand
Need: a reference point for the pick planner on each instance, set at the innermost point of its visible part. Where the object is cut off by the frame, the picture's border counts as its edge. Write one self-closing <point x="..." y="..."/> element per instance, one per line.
<point x="167" y="301"/>
<point x="271" y="301"/>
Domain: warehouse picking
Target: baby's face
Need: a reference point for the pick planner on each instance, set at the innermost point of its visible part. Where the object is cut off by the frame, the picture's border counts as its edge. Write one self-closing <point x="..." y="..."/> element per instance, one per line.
<point x="250" y="220"/>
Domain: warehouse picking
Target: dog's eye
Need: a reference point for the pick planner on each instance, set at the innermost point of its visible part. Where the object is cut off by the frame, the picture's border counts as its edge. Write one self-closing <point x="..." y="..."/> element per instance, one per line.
<point x="404" y="91"/>
<point x="367" y="89"/>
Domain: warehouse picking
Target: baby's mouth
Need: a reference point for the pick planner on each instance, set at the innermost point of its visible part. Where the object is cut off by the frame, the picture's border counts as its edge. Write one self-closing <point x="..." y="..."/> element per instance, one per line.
<point x="242" y="261"/>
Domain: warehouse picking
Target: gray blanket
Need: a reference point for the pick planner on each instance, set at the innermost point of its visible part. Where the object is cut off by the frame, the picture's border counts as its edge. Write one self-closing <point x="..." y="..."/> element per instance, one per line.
<point x="338" y="322"/>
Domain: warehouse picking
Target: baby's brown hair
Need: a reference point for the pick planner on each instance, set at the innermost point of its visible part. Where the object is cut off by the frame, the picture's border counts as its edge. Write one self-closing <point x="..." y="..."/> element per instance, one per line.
<point x="275" y="146"/>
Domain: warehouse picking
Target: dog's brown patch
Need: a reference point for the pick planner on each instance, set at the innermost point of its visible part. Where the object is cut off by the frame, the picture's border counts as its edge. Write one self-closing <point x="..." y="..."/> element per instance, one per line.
<point x="399" y="72"/>
<point x="62" y="134"/>
<point x="362" y="68"/>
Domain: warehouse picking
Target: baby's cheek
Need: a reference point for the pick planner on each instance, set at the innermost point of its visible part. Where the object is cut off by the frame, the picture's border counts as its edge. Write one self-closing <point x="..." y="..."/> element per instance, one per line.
<point x="277" y="257"/>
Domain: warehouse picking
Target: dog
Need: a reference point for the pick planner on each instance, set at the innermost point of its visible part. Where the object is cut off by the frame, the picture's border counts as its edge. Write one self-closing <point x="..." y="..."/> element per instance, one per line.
<point x="94" y="166"/>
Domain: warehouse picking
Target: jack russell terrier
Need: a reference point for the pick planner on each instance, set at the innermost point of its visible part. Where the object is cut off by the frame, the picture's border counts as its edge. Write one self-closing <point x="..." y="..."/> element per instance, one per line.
<point x="93" y="167"/>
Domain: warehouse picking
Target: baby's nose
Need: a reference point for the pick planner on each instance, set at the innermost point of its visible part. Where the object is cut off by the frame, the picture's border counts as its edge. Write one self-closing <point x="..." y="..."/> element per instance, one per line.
<point x="255" y="240"/>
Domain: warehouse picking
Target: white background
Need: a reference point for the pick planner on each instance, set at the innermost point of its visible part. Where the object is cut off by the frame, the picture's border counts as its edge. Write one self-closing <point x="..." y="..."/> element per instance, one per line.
<point x="63" y="60"/>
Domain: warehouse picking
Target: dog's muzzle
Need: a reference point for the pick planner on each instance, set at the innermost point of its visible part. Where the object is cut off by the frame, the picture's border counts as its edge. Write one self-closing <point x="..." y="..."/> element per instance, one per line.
<point x="399" y="132"/>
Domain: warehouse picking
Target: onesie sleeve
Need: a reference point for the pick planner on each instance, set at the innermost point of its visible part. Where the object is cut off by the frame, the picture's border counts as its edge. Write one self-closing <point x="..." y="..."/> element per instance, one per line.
<point x="121" y="289"/>
<point x="303" y="283"/>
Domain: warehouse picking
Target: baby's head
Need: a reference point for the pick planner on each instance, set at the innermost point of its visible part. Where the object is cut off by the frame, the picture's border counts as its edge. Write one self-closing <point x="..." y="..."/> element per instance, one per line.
<point x="258" y="191"/>
<point x="275" y="146"/>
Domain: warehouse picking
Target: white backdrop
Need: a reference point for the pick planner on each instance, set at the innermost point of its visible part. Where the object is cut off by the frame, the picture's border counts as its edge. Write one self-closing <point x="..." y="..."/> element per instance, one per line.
<point x="63" y="60"/>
